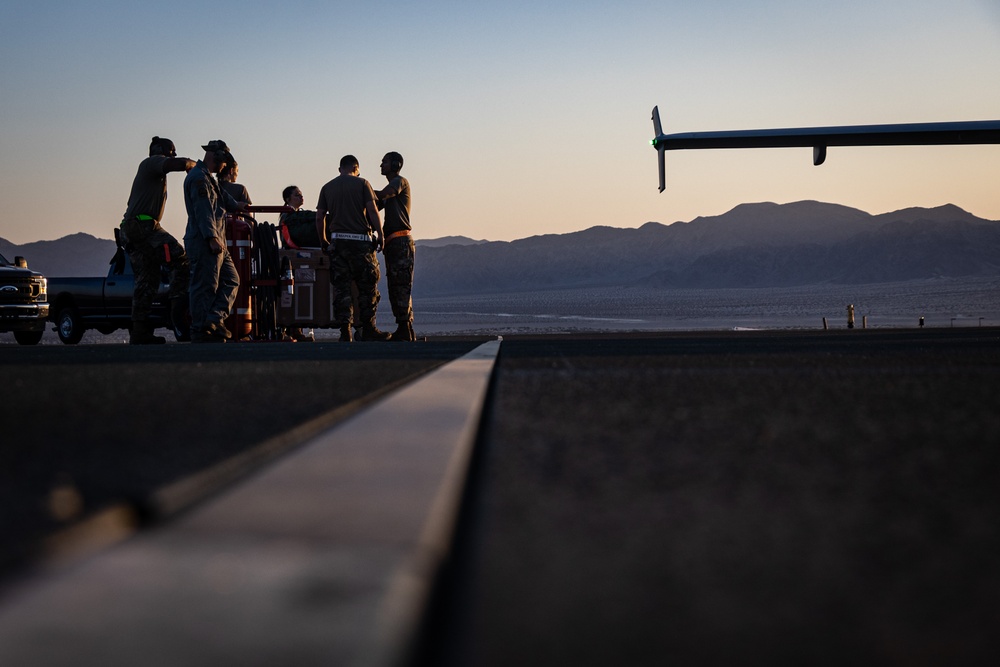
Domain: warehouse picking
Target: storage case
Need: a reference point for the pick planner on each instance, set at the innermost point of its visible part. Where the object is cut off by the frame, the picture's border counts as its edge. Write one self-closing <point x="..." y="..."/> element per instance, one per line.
<point x="311" y="305"/>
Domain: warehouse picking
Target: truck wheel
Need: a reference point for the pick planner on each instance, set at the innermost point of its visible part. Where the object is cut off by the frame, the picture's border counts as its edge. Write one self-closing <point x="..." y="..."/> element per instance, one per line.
<point x="28" y="337"/>
<point x="69" y="325"/>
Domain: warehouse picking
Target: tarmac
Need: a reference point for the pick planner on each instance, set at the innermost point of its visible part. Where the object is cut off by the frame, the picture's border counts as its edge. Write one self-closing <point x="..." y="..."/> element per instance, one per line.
<point x="750" y="497"/>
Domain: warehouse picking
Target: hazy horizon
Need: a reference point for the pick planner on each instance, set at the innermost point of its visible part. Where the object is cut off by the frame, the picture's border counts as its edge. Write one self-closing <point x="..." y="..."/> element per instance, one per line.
<point x="419" y="238"/>
<point x="961" y="302"/>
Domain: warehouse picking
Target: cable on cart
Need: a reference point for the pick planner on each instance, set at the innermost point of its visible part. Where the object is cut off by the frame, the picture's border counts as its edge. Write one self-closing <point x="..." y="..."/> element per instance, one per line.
<point x="266" y="262"/>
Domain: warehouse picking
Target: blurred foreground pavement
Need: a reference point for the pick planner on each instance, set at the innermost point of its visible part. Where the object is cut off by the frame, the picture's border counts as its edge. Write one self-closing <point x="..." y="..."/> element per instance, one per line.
<point x="86" y="428"/>
<point x="766" y="497"/>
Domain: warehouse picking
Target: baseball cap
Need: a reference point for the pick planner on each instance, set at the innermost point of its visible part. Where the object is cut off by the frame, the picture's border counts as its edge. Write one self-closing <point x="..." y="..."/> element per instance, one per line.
<point x="216" y="145"/>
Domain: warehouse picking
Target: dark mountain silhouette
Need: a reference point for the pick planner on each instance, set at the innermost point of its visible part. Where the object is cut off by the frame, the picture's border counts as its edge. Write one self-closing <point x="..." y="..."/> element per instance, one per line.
<point x="905" y="245"/>
<point x="448" y="240"/>
<point x="753" y="245"/>
<point x="74" y="255"/>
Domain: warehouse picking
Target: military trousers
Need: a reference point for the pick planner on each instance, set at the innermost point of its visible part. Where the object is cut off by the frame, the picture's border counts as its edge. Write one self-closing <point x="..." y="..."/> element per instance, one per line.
<point x="354" y="261"/>
<point x="214" y="282"/>
<point x="398" y="254"/>
<point x="149" y="248"/>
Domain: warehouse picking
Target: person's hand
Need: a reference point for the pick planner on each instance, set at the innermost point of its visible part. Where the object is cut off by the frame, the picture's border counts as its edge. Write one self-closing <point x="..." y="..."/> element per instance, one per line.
<point x="215" y="246"/>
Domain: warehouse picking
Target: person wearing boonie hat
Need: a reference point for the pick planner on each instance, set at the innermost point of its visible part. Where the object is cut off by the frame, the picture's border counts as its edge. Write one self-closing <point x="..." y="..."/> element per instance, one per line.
<point x="214" y="280"/>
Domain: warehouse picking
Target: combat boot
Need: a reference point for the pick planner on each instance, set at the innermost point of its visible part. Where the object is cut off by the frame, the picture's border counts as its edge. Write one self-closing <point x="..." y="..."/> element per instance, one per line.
<point x="219" y="330"/>
<point x="345" y="334"/>
<point x="372" y="333"/>
<point x="142" y="334"/>
<point x="404" y="331"/>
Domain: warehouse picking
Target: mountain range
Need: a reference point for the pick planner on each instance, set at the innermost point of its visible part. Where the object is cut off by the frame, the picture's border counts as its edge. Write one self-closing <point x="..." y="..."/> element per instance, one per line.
<point x="753" y="245"/>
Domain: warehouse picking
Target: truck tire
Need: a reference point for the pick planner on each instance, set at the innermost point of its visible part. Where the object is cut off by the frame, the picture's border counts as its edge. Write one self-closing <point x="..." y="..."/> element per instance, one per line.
<point x="69" y="325"/>
<point x="28" y="337"/>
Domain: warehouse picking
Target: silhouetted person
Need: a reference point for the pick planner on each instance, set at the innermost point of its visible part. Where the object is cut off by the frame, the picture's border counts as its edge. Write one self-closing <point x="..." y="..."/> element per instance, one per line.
<point x="351" y="236"/>
<point x="149" y="245"/>
<point x="394" y="198"/>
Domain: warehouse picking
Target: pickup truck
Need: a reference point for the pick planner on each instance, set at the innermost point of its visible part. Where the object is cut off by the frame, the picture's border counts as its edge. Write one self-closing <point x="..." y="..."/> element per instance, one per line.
<point x="105" y="304"/>
<point x="23" y="305"/>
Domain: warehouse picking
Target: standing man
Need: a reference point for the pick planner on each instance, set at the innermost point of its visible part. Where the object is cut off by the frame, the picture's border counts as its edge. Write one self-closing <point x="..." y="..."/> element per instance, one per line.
<point x="398" y="248"/>
<point x="214" y="280"/>
<point x="351" y="237"/>
<point x="149" y="245"/>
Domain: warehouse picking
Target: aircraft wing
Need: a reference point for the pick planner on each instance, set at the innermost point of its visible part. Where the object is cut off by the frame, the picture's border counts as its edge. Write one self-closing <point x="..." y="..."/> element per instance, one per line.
<point x="819" y="138"/>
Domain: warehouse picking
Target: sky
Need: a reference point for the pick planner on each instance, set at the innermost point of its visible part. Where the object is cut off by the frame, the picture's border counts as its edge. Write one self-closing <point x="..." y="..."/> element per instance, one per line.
<point x="514" y="119"/>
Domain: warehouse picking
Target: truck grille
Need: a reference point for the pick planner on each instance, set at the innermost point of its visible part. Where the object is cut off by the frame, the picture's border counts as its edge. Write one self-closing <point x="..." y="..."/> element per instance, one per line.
<point x="19" y="290"/>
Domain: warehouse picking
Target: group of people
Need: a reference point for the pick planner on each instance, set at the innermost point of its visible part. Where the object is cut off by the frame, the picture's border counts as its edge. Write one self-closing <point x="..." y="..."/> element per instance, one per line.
<point x="204" y="281"/>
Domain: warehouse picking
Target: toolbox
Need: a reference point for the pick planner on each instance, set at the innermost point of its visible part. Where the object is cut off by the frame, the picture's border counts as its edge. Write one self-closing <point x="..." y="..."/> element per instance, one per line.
<point x="310" y="303"/>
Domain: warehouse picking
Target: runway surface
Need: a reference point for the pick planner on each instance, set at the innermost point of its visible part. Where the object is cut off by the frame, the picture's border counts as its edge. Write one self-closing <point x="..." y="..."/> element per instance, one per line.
<point x="734" y="498"/>
<point x="698" y="498"/>
<point x="90" y="427"/>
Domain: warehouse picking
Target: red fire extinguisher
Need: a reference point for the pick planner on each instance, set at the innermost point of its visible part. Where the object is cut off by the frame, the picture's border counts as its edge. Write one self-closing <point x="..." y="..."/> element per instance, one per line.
<point x="238" y="235"/>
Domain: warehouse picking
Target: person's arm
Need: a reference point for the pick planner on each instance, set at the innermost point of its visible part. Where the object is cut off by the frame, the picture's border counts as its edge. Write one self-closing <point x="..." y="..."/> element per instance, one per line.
<point x="375" y="223"/>
<point x="178" y="164"/>
<point x="287" y="238"/>
<point x="230" y="204"/>
<point x="388" y="192"/>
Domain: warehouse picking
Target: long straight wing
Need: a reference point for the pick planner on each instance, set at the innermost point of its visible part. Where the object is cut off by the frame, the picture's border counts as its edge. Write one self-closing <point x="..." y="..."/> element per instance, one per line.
<point x="819" y="138"/>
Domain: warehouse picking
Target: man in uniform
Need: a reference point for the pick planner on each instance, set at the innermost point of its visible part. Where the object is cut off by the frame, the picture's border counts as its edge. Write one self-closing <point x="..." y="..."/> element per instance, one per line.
<point x="351" y="237"/>
<point x="214" y="280"/>
<point x="149" y="245"/>
<point x="398" y="248"/>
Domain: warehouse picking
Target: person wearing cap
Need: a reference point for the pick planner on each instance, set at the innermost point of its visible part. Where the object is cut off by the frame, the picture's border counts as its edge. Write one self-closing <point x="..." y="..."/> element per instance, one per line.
<point x="350" y="230"/>
<point x="394" y="198"/>
<point x="214" y="280"/>
<point x="149" y="245"/>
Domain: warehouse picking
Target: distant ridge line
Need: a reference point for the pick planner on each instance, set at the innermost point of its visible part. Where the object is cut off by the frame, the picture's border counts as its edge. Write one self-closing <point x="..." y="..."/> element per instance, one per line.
<point x="761" y="245"/>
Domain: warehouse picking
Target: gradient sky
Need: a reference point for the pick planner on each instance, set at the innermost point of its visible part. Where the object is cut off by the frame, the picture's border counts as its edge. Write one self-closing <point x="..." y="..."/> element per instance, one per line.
<point x="514" y="118"/>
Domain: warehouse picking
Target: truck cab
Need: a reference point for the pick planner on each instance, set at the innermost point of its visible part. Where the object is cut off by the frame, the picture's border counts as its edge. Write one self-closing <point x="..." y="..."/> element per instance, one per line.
<point x="105" y="303"/>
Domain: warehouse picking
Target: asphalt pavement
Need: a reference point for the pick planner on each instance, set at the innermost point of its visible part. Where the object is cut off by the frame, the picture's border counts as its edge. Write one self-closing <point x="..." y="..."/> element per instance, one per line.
<point x="803" y="497"/>
<point x="751" y="498"/>
<point x="93" y="428"/>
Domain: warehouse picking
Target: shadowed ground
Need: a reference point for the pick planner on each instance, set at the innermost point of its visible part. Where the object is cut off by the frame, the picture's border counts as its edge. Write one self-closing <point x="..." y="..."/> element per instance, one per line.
<point x="683" y="498"/>
<point x="734" y="498"/>
<point x="90" y="426"/>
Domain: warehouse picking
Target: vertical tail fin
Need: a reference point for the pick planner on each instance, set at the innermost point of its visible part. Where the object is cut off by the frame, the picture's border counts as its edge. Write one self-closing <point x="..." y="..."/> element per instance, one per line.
<point x="660" y="150"/>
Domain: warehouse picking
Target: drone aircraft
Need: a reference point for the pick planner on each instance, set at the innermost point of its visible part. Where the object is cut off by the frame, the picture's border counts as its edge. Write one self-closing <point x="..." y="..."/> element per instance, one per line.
<point x="819" y="138"/>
